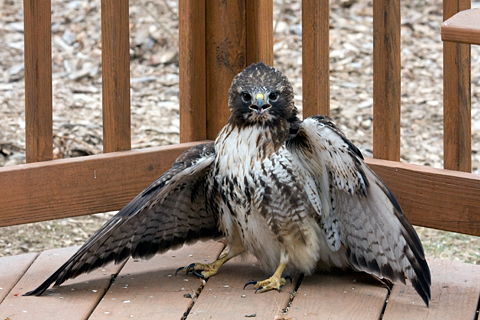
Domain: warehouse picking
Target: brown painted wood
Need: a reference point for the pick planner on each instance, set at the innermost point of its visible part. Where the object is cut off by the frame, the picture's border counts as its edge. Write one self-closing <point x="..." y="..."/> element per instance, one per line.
<point x="435" y="198"/>
<point x="150" y="289"/>
<point x="386" y="79"/>
<point x="74" y="299"/>
<point x="342" y="295"/>
<point x="259" y="18"/>
<point x="38" y="80"/>
<point x="224" y="298"/>
<point x="455" y="294"/>
<point x="463" y="27"/>
<point x="115" y="76"/>
<point x="315" y="56"/>
<point x="193" y="75"/>
<point x="456" y="97"/>
<point x="72" y="187"/>
<point x="12" y="269"/>
<point x="226" y="56"/>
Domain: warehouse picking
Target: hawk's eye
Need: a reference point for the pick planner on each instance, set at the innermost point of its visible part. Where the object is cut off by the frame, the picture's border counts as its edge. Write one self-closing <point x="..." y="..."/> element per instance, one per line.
<point x="273" y="96"/>
<point x="246" y="97"/>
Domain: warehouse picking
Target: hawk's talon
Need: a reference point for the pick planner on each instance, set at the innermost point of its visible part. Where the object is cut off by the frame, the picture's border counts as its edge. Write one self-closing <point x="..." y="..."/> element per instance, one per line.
<point x="272" y="283"/>
<point x="201" y="276"/>
<point x="181" y="268"/>
<point x="190" y="266"/>
<point x="288" y="277"/>
<point x="249" y="282"/>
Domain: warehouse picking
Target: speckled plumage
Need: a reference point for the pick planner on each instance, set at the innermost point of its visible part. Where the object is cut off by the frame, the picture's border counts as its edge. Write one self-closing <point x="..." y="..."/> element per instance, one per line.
<point x="295" y="194"/>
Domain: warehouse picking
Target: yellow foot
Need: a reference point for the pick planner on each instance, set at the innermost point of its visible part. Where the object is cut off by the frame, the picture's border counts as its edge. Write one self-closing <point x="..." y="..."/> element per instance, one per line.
<point x="272" y="283"/>
<point x="207" y="270"/>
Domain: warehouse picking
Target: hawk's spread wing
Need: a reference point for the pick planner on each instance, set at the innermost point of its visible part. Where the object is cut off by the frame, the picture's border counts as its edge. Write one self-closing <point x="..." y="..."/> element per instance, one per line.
<point x="358" y="210"/>
<point x="167" y="214"/>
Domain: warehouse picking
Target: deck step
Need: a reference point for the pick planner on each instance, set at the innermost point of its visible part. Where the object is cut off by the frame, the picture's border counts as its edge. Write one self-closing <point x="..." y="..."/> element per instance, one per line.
<point x="463" y="27"/>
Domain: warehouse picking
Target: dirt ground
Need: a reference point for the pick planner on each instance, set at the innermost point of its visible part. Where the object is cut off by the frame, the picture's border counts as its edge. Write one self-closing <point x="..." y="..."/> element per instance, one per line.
<point x="76" y="46"/>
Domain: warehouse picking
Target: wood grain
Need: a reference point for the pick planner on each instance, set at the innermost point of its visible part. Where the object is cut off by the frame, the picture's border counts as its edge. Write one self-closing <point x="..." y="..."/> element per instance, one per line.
<point x="259" y="18"/>
<point x="38" y="80"/>
<point x="315" y="56"/>
<point x="12" y="269"/>
<point x="71" y="187"/>
<point x="463" y="27"/>
<point x="455" y="294"/>
<point x="150" y="289"/>
<point x="386" y="79"/>
<point x="115" y="76"/>
<point x="73" y="300"/>
<point x="193" y="77"/>
<point x="224" y="297"/>
<point x="456" y="97"/>
<point x="342" y="295"/>
<point x="226" y="56"/>
<point x="434" y="198"/>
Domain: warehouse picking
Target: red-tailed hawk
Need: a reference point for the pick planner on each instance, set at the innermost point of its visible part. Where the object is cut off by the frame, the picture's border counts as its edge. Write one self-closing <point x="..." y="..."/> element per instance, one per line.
<point x="295" y="194"/>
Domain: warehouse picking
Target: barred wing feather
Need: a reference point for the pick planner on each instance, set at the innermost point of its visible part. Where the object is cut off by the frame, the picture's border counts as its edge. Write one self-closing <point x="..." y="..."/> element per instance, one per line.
<point x="167" y="214"/>
<point x="359" y="211"/>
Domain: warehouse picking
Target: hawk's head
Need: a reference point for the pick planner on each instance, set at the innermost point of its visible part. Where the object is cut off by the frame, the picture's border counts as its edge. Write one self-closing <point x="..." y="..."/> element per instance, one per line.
<point x="261" y="95"/>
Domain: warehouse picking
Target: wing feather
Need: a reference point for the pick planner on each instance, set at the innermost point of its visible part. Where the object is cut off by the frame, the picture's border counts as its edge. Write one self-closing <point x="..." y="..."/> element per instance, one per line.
<point x="358" y="209"/>
<point x="169" y="213"/>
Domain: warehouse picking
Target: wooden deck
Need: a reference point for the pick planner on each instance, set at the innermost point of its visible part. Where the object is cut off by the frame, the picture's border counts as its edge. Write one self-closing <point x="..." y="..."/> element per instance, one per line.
<point x="150" y="290"/>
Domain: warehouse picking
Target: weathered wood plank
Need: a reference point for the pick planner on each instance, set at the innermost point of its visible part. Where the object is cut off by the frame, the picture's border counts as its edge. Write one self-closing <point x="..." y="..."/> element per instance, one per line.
<point x="463" y="27"/>
<point x="150" y="289"/>
<point x="12" y="269"/>
<point x="455" y="294"/>
<point x="224" y="298"/>
<point x="38" y="80"/>
<point x="457" y="123"/>
<point x="342" y="295"/>
<point x="193" y="77"/>
<point x="115" y="76"/>
<point x="316" y="57"/>
<point x="435" y="198"/>
<point x="259" y="17"/>
<point x="75" y="299"/>
<point x="72" y="187"/>
<point x="386" y="79"/>
<point x="226" y="56"/>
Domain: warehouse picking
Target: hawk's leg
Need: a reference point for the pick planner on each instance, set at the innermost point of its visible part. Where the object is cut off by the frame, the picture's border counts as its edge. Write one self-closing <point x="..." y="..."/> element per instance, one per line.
<point x="276" y="281"/>
<point x="210" y="269"/>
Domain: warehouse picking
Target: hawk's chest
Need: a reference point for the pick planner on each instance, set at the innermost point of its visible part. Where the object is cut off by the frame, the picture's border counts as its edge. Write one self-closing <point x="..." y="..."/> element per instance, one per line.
<point x="248" y="165"/>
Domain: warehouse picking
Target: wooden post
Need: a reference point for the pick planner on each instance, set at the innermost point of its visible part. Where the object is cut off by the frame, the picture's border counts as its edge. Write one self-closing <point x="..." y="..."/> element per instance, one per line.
<point x="315" y="55"/>
<point x="259" y="17"/>
<point x="228" y="51"/>
<point x="38" y="80"/>
<point x="115" y="76"/>
<point x="193" y="76"/>
<point x="386" y="79"/>
<point x="456" y="97"/>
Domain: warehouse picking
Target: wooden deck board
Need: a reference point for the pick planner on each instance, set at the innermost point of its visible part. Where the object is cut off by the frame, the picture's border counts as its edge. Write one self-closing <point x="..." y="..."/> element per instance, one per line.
<point x="224" y="298"/>
<point x="12" y="269"/>
<point x="338" y="296"/>
<point x="74" y="299"/>
<point x="148" y="289"/>
<point x="455" y="294"/>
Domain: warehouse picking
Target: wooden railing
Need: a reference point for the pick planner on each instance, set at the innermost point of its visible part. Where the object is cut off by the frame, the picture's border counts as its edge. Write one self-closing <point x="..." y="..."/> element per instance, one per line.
<point x="217" y="40"/>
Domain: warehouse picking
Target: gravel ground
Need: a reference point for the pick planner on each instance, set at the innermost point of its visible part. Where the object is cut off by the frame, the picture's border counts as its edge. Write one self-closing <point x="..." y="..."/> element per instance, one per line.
<point x="76" y="46"/>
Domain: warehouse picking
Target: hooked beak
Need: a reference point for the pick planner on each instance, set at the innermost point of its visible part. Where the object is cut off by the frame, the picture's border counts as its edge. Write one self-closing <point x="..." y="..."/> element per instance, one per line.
<point x="260" y="104"/>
